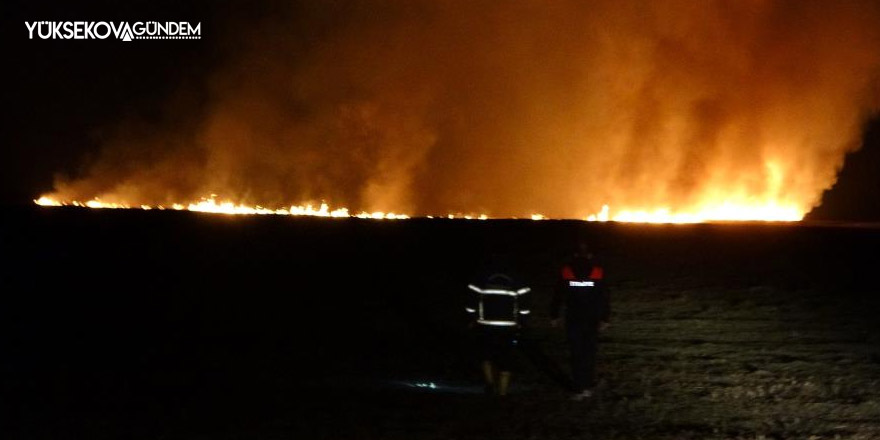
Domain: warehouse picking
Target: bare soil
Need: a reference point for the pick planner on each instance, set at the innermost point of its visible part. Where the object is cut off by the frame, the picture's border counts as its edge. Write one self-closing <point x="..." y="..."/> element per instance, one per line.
<point x="137" y="325"/>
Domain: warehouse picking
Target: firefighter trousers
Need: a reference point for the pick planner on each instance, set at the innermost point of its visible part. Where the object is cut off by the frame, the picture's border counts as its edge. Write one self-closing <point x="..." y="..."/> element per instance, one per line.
<point x="583" y="341"/>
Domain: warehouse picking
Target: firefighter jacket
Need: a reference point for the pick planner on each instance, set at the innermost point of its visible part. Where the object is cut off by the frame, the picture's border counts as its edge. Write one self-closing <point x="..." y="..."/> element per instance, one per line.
<point x="497" y="299"/>
<point x="581" y="290"/>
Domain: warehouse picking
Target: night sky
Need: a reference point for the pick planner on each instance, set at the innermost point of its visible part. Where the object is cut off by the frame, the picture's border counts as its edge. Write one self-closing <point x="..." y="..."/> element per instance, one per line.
<point x="66" y="99"/>
<point x="66" y="95"/>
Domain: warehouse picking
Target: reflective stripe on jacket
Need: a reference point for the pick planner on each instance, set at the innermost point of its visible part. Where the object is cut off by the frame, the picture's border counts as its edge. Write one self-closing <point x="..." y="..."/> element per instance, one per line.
<point x="498" y="301"/>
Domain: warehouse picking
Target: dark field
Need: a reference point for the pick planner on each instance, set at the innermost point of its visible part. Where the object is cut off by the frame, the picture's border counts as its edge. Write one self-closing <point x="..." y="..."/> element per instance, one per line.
<point x="175" y="325"/>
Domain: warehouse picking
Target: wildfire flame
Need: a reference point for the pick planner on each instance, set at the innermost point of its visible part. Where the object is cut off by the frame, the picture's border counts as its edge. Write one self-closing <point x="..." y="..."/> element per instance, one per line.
<point x="210" y="205"/>
<point x="663" y="111"/>
<point x="721" y="212"/>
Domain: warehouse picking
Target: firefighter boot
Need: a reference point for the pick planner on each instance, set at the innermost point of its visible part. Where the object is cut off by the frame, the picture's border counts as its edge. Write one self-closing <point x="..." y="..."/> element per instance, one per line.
<point x="503" y="383"/>
<point x="489" y="377"/>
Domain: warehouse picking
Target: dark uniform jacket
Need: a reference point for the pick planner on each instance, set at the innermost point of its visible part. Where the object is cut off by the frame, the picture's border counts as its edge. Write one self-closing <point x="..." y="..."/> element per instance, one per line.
<point x="581" y="289"/>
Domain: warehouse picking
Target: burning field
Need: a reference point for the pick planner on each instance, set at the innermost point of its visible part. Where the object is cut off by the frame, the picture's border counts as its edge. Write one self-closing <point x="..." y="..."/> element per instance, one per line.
<point x="669" y="111"/>
<point x="175" y="324"/>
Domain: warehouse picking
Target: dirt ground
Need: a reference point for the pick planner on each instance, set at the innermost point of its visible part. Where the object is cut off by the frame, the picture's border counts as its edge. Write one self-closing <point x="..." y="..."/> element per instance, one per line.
<point x="682" y="361"/>
<point x="205" y="328"/>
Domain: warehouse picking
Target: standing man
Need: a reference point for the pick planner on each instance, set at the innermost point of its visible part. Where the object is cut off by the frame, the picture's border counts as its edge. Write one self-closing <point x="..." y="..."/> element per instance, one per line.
<point x="581" y="290"/>
<point x="497" y="309"/>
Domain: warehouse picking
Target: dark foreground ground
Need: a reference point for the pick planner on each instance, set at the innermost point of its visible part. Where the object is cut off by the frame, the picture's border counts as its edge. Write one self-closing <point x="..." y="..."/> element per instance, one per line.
<point x="170" y="325"/>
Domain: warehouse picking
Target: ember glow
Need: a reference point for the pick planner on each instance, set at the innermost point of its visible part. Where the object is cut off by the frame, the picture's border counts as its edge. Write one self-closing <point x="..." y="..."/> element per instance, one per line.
<point x="210" y="205"/>
<point x="666" y="111"/>
<point x="728" y="212"/>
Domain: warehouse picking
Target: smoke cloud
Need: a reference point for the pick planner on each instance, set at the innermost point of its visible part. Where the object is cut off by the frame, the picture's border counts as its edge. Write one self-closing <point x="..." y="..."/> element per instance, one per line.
<point x="512" y="108"/>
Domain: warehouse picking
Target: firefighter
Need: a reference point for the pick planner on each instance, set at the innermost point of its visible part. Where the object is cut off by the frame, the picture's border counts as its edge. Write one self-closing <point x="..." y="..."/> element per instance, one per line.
<point x="497" y="308"/>
<point x="581" y="290"/>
